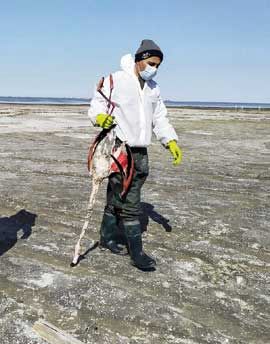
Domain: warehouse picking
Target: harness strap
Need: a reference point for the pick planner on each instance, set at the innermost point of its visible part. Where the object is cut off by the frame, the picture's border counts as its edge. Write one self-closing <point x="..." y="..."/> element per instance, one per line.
<point x="110" y="103"/>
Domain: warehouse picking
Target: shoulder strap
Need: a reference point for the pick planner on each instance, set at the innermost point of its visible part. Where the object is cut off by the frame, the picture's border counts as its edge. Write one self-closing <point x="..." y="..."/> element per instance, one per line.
<point x="110" y="103"/>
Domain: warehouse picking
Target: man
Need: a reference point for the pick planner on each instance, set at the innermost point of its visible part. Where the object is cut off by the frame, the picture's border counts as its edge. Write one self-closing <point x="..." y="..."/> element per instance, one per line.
<point x="139" y="111"/>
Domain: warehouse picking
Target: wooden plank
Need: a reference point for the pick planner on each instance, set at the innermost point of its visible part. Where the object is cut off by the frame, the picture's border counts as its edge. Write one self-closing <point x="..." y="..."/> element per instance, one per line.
<point x="52" y="334"/>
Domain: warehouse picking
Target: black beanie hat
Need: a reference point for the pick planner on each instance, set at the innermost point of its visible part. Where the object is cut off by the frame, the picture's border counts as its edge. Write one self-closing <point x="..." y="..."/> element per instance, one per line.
<point x="147" y="49"/>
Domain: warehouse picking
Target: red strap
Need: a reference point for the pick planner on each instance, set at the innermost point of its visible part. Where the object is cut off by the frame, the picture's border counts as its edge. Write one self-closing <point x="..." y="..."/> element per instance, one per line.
<point x="110" y="96"/>
<point x="110" y="103"/>
<point x="100" y="84"/>
<point x="111" y="82"/>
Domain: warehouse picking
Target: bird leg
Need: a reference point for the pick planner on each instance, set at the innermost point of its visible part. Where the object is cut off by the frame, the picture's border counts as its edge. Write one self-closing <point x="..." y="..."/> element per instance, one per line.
<point x="95" y="186"/>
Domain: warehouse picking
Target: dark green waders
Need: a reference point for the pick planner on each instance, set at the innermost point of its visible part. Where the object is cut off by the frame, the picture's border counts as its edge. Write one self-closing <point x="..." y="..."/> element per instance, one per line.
<point x="109" y="232"/>
<point x="127" y="211"/>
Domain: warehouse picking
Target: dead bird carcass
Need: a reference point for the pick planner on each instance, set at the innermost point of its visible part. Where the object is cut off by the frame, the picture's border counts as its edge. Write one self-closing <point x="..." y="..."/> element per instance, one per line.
<point x="105" y="158"/>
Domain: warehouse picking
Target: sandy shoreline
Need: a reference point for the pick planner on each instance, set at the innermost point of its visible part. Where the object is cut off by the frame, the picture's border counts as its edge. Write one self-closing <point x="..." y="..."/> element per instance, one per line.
<point x="208" y="227"/>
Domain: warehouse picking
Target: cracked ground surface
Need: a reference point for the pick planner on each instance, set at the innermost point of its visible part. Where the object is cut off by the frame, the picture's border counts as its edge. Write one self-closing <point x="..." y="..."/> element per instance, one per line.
<point x="208" y="227"/>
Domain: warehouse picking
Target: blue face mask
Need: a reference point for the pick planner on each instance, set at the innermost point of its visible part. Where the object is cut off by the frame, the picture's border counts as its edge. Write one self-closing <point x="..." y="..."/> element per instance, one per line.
<point x="149" y="73"/>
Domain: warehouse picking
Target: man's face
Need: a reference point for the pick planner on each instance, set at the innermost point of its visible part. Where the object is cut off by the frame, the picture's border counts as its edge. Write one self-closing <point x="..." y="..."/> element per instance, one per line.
<point x="153" y="61"/>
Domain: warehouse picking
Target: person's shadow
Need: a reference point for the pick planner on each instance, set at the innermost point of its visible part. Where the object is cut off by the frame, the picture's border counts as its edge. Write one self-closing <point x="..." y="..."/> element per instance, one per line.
<point x="149" y="212"/>
<point x="10" y="227"/>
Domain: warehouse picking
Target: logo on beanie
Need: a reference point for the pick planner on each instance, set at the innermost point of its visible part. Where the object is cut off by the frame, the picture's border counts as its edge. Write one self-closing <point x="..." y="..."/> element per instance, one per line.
<point x="146" y="55"/>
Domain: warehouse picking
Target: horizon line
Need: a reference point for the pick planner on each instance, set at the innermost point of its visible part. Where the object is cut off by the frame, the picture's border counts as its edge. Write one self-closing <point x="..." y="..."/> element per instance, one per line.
<point x="166" y="100"/>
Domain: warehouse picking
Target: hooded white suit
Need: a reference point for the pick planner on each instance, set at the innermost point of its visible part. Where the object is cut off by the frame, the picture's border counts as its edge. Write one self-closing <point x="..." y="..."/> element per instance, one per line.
<point x="138" y="111"/>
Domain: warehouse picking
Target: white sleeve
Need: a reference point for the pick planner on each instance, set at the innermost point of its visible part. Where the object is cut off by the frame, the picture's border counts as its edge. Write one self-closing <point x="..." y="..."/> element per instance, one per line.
<point x="163" y="130"/>
<point x="98" y="104"/>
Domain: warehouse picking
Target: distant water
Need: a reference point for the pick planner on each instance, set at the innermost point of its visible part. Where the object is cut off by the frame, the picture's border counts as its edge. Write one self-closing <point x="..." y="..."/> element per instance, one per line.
<point x="218" y="105"/>
<point x="83" y="101"/>
<point x="43" y="100"/>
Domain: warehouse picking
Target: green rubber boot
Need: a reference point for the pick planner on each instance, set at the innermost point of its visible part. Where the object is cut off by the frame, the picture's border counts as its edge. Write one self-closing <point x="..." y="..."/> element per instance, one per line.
<point x="108" y="233"/>
<point x="134" y="238"/>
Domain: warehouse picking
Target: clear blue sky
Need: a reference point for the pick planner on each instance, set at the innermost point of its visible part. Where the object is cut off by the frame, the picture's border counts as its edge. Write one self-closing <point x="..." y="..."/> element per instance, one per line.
<point x="214" y="50"/>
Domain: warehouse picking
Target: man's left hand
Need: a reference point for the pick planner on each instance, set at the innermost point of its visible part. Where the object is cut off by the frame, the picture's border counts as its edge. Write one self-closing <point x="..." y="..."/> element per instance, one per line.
<point x="175" y="151"/>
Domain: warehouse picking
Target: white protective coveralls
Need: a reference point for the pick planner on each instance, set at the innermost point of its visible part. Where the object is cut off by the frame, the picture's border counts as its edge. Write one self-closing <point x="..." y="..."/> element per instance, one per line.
<point x="138" y="111"/>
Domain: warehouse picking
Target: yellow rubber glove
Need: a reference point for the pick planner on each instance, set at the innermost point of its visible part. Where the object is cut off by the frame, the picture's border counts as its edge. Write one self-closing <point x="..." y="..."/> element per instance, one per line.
<point x="104" y="120"/>
<point x="176" y="152"/>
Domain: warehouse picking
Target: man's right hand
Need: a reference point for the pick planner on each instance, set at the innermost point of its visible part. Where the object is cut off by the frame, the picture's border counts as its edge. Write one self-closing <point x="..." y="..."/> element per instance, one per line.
<point x="104" y="120"/>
